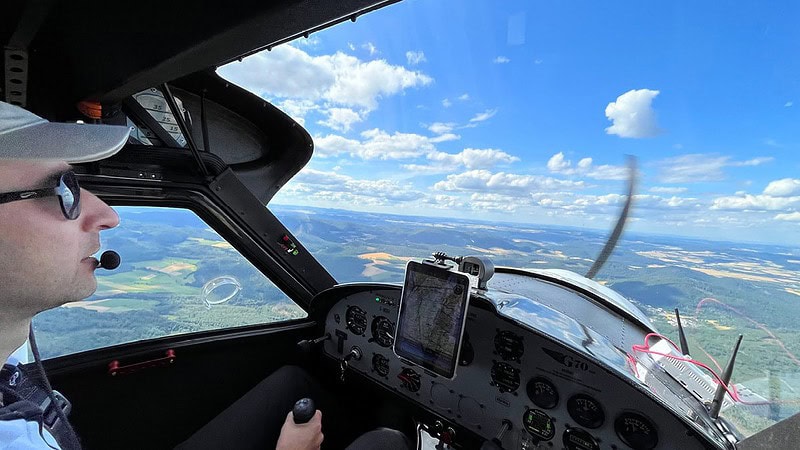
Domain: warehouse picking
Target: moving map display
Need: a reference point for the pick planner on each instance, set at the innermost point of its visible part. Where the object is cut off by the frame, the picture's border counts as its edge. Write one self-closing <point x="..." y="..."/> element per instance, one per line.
<point x="432" y="315"/>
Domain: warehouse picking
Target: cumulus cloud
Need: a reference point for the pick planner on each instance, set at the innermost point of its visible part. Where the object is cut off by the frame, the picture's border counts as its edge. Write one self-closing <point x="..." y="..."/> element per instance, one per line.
<point x="329" y="186"/>
<point x="341" y="119"/>
<point x="447" y="103"/>
<point x="463" y="97"/>
<point x="441" y="127"/>
<point x="415" y="58"/>
<point x="501" y="60"/>
<point x="585" y="167"/>
<point x="668" y="190"/>
<point x="445" y="137"/>
<point x="375" y="144"/>
<point x="486" y="115"/>
<point x="470" y="158"/>
<point x="783" y="187"/>
<point x="482" y="180"/>
<point x="748" y="202"/>
<point x="341" y="79"/>
<point x="297" y="109"/>
<point x="632" y="114"/>
<point x="789" y="217"/>
<point x="788" y="104"/>
<point x="693" y="168"/>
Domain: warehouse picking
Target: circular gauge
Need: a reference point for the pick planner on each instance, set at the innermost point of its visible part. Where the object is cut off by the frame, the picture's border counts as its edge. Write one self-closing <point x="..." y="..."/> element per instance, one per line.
<point x="409" y="379"/>
<point x="380" y="364"/>
<point x="356" y="320"/>
<point x="577" y="439"/>
<point x="505" y="377"/>
<point x="383" y="331"/>
<point x="539" y="424"/>
<point x="586" y="411"/>
<point x="509" y="346"/>
<point x="542" y="393"/>
<point x="636" y="431"/>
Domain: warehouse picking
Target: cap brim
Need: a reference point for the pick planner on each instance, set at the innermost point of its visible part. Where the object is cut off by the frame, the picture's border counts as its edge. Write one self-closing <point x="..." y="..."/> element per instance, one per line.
<point x="70" y="142"/>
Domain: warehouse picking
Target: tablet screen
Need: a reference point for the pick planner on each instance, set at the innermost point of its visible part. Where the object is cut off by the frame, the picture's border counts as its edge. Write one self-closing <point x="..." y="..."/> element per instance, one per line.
<point x="433" y="309"/>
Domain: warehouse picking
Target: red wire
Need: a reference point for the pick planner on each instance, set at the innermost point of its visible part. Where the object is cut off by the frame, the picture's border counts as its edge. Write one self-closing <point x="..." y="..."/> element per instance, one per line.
<point x="717" y="379"/>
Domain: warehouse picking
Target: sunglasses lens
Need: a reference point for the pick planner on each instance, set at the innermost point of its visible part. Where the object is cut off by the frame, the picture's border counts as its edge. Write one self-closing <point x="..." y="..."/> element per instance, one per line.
<point x="69" y="192"/>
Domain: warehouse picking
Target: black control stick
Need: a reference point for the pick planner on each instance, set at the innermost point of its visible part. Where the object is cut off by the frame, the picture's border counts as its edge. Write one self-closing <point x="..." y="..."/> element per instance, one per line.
<point x="303" y="410"/>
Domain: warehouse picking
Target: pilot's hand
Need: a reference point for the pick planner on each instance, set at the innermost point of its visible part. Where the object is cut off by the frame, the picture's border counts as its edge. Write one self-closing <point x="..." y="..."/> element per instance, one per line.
<point x="304" y="436"/>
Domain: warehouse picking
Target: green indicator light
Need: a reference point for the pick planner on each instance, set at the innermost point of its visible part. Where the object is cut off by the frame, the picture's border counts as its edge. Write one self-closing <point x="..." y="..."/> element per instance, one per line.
<point x="378" y="299"/>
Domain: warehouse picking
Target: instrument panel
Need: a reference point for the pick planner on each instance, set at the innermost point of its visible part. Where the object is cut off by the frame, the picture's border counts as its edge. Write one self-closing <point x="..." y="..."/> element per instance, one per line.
<point x="550" y="394"/>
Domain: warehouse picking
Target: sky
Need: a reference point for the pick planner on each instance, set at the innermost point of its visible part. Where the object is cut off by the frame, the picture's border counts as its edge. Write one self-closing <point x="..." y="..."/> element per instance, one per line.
<point x="523" y="111"/>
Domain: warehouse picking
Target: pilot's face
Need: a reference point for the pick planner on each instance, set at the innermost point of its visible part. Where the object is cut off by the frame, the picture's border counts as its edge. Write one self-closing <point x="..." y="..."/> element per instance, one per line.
<point x="45" y="259"/>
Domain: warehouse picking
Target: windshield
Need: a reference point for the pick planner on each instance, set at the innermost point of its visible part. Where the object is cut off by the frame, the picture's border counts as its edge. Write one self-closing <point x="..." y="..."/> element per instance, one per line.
<point x="501" y="129"/>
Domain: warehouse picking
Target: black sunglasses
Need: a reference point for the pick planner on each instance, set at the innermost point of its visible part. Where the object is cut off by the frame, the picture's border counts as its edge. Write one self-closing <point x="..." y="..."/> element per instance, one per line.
<point x="67" y="190"/>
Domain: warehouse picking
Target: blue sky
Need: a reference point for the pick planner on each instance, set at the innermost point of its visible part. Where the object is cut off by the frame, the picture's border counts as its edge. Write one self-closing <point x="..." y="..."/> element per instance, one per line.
<point x="523" y="111"/>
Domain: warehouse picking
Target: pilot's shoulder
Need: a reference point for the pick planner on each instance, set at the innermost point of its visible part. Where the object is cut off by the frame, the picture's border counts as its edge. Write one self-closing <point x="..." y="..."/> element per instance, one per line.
<point x="21" y="434"/>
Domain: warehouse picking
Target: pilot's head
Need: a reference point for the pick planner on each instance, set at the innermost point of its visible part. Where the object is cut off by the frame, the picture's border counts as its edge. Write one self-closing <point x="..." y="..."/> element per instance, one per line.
<point x="49" y="226"/>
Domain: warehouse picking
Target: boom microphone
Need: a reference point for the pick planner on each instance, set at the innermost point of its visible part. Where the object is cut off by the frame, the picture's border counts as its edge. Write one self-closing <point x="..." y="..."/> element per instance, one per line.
<point x="109" y="260"/>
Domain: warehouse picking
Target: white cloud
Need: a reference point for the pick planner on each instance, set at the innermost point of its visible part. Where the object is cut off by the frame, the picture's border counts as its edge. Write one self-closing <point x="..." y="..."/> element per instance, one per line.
<point x="771" y="143"/>
<point x="444" y="138"/>
<point x="537" y="61"/>
<point x="312" y="41"/>
<point x="789" y="217"/>
<point x="473" y="158"/>
<point x="297" y="109"/>
<point x="512" y="184"/>
<point x="329" y="186"/>
<point x="749" y="202"/>
<point x="486" y="115"/>
<point x="341" y="79"/>
<point x="333" y="145"/>
<point x="447" y="103"/>
<point x="752" y="162"/>
<point x="668" y="190"/>
<point x="442" y="127"/>
<point x="351" y="46"/>
<point x="585" y="167"/>
<point x="783" y="187"/>
<point x="375" y="144"/>
<point x="341" y="119"/>
<point x="370" y="47"/>
<point x="501" y="60"/>
<point x="469" y="158"/>
<point x="463" y="97"/>
<point x="415" y="58"/>
<point x="788" y="104"/>
<point x="632" y="115"/>
<point x="693" y="168"/>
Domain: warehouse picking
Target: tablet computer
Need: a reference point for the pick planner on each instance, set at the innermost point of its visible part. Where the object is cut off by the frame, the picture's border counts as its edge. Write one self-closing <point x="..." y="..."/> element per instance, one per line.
<point x="433" y="312"/>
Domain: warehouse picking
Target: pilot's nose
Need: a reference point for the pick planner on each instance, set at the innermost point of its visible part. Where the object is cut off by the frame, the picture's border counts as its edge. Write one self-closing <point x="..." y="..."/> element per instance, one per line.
<point x="96" y="214"/>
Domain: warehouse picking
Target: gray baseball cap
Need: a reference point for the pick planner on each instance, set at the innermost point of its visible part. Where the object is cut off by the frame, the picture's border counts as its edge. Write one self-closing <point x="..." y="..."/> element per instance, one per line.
<point x="24" y="135"/>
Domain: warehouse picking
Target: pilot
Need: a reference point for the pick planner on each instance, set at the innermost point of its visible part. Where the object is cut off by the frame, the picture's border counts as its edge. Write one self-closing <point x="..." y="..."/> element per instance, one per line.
<point x="49" y="230"/>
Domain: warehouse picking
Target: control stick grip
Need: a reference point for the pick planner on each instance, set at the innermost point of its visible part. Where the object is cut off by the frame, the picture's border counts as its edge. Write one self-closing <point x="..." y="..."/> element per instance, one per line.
<point x="303" y="410"/>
